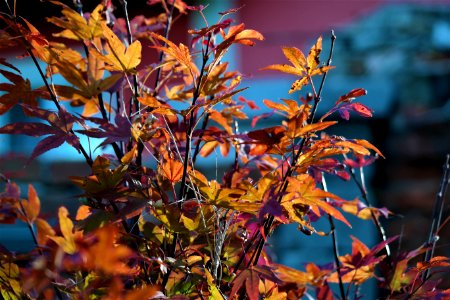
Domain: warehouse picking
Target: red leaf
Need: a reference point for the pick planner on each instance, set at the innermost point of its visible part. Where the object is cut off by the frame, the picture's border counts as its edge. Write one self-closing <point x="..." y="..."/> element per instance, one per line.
<point x="361" y="109"/>
<point x="252" y="285"/>
<point x="352" y="95"/>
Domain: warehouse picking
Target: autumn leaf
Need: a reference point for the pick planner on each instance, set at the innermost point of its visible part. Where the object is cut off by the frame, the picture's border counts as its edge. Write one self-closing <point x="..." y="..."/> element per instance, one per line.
<point x="295" y="132"/>
<point x="303" y="191"/>
<point x="172" y="170"/>
<point x="31" y="207"/>
<point x="87" y="85"/>
<point x="67" y="241"/>
<point x="223" y="197"/>
<point x="180" y="53"/>
<point x="60" y="127"/>
<point x="10" y="281"/>
<point x="76" y="27"/>
<point x="107" y="255"/>
<point x="249" y="280"/>
<point x="303" y="67"/>
<point x="18" y="90"/>
<point x="118" y="57"/>
<point x="44" y="231"/>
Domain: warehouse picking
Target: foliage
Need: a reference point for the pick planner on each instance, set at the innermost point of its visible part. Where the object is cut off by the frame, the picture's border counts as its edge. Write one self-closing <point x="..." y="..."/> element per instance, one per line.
<point x="151" y="223"/>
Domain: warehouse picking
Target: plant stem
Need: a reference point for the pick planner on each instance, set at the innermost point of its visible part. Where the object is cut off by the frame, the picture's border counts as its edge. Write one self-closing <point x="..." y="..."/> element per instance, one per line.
<point x="105" y="117"/>
<point x="437" y="214"/>
<point x="134" y="100"/>
<point x="335" y="244"/>
<point x="290" y="171"/>
<point x="362" y="188"/>
<point x="197" y="146"/>
<point x="54" y="99"/>
<point x="183" y="187"/>
<point x="166" y="35"/>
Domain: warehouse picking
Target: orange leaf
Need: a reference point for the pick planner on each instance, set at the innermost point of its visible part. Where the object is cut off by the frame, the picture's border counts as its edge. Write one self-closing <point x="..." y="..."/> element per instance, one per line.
<point x="307" y="129"/>
<point x="172" y="170"/>
<point x="180" y="53"/>
<point x="107" y="255"/>
<point x="83" y="212"/>
<point x="287" y="274"/>
<point x="368" y="145"/>
<point x="44" y="231"/>
<point x="208" y="148"/>
<point x="302" y="190"/>
<point x="32" y="207"/>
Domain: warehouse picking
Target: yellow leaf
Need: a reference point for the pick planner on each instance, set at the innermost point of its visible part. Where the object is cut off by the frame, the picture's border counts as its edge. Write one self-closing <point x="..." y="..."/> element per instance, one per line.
<point x="302" y="191"/>
<point x="118" y="57"/>
<point x="296" y="57"/>
<point x="129" y="156"/>
<point x="76" y="26"/>
<point x="67" y="241"/>
<point x="313" y="56"/>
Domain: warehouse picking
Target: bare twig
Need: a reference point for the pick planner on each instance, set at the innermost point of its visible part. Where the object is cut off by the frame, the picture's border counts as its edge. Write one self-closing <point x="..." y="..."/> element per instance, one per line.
<point x="335" y="244"/>
<point x="362" y="188"/>
<point x="437" y="215"/>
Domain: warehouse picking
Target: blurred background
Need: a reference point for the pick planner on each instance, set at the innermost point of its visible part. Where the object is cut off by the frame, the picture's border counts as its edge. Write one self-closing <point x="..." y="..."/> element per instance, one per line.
<point x="397" y="50"/>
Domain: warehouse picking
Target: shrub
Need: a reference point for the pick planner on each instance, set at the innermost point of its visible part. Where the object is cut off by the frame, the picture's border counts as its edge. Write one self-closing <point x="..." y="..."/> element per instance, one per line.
<point x="150" y="223"/>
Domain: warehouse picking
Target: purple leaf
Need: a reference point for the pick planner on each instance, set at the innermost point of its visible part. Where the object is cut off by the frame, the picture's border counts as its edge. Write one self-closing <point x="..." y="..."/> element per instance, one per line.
<point x="38" y="112"/>
<point x="271" y="207"/>
<point x="31" y="129"/>
<point x="47" y="144"/>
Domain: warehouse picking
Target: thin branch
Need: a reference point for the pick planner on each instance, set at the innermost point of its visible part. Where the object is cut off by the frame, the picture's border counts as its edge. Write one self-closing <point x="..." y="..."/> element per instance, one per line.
<point x="54" y="99"/>
<point x="362" y="188"/>
<point x="166" y="35"/>
<point x="124" y="4"/>
<point x="335" y="244"/>
<point x="290" y="171"/>
<point x="105" y="117"/>
<point x="437" y="214"/>
<point x="199" y="140"/>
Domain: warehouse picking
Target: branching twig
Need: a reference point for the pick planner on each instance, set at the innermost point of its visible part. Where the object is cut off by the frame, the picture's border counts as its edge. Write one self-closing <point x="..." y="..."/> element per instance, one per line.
<point x="303" y="142"/>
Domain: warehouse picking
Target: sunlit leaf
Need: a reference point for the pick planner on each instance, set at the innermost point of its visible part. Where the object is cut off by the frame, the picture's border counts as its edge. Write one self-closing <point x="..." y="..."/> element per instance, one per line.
<point x="67" y="241"/>
<point x="118" y="57"/>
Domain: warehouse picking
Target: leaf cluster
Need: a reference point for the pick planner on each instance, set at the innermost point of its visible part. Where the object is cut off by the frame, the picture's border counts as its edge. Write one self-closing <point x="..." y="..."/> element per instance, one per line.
<point x="152" y="224"/>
